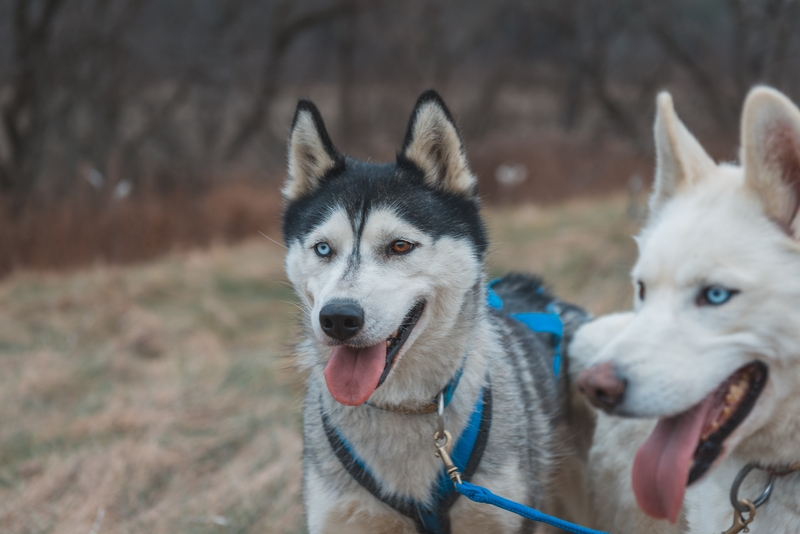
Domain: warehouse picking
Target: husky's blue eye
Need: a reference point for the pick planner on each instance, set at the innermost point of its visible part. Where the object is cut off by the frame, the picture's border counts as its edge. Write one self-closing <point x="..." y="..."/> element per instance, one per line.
<point x="716" y="295"/>
<point x="322" y="249"/>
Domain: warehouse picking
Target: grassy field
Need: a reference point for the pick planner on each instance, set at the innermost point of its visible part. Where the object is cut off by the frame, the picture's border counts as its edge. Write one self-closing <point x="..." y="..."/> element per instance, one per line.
<point x="160" y="398"/>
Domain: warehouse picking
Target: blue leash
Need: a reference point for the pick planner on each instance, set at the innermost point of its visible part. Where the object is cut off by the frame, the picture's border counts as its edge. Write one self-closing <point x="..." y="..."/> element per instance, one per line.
<point x="549" y="322"/>
<point x="482" y="495"/>
<point x="467" y="451"/>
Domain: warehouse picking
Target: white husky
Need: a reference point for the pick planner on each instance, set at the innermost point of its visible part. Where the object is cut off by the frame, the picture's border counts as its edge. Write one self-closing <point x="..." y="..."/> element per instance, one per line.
<point x="711" y="352"/>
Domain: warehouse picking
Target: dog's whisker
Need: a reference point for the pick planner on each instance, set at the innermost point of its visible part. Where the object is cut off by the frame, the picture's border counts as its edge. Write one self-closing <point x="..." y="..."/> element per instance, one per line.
<point x="276" y="242"/>
<point x="399" y="300"/>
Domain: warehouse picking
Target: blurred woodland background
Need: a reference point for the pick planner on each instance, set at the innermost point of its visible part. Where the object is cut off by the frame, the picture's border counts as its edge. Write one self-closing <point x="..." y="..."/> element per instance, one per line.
<point x="130" y="127"/>
<point x="160" y="397"/>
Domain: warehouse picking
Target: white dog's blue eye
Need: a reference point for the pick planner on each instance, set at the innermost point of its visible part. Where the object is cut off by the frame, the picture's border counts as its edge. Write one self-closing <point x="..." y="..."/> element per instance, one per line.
<point x="717" y="295"/>
<point x="322" y="249"/>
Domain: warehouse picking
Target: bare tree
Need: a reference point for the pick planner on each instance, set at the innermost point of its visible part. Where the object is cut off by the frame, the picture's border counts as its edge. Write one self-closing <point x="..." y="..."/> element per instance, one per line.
<point x="285" y="27"/>
<point x="23" y="113"/>
<point x="135" y="87"/>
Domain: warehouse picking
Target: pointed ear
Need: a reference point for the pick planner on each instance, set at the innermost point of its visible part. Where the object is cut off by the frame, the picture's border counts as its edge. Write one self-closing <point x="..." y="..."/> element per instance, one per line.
<point x="434" y="145"/>
<point x="680" y="160"/>
<point x="771" y="154"/>
<point x="311" y="156"/>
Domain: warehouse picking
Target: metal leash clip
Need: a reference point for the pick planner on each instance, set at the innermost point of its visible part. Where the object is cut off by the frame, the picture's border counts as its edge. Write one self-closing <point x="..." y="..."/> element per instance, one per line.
<point x="744" y="506"/>
<point x="740" y="522"/>
<point x="443" y="442"/>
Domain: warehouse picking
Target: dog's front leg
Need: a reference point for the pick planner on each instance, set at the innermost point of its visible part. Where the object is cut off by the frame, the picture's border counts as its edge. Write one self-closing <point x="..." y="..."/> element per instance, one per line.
<point x="353" y="512"/>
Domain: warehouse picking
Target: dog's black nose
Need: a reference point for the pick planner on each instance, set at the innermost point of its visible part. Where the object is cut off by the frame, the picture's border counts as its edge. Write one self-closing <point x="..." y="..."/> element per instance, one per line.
<point x="603" y="386"/>
<point x="341" y="319"/>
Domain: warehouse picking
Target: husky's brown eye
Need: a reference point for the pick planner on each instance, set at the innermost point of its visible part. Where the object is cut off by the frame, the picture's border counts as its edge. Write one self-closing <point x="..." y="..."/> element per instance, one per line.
<point x="642" y="290"/>
<point x="401" y="247"/>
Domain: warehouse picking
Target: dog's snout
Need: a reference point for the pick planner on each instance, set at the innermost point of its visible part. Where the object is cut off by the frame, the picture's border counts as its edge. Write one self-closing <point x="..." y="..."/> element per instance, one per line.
<point x="341" y="320"/>
<point x="603" y="386"/>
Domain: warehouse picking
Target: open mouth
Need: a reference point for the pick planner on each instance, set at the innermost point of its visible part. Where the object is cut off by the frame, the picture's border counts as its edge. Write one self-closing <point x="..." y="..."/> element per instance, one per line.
<point x="398" y="338"/>
<point x="354" y="373"/>
<point x="732" y="403"/>
<point x="682" y="448"/>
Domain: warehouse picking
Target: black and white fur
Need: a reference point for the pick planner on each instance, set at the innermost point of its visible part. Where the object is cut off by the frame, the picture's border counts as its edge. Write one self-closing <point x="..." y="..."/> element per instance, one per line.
<point x="427" y="197"/>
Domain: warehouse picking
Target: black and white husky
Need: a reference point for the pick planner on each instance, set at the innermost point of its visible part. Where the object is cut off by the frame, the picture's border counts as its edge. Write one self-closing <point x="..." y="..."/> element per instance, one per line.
<point x="388" y="260"/>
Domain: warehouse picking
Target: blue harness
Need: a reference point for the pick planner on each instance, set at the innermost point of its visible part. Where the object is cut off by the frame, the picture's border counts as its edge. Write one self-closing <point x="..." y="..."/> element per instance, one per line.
<point x="466" y="453"/>
<point x="549" y="323"/>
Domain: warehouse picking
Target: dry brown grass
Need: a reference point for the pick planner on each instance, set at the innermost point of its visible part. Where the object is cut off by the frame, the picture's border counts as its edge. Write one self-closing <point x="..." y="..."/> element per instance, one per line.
<point x="583" y="248"/>
<point x="157" y="398"/>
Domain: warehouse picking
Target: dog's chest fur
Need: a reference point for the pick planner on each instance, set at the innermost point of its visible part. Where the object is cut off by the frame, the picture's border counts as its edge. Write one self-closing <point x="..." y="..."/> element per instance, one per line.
<point x="399" y="450"/>
<point x="401" y="248"/>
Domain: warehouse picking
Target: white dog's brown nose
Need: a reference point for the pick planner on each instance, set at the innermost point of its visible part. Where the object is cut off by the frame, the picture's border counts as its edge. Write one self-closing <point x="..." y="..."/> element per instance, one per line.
<point x="341" y="319"/>
<point x="602" y="386"/>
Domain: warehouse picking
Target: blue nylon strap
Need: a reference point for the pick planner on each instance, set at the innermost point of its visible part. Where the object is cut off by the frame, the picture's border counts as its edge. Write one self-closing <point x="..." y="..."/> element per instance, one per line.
<point x="549" y="323"/>
<point x="483" y="495"/>
<point x="541" y="322"/>
<point x="429" y="519"/>
<point x="448" y="391"/>
<point x="493" y="299"/>
<point x="451" y="387"/>
<point x="460" y="456"/>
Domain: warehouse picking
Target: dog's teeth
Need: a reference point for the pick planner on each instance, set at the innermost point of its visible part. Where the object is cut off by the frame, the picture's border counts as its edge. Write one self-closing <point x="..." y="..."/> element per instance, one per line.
<point x="726" y="411"/>
<point x="388" y="342"/>
<point x="396" y="333"/>
<point x="713" y="427"/>
<point x="735" y="393"/>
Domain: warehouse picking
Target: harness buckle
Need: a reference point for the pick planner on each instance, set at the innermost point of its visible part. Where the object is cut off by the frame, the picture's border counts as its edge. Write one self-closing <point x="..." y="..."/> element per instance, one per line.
<point x="740" y="522"/>
<point x="745" y="506"/>
<point x="758" y="501"/>
<point x="443" y="444"/>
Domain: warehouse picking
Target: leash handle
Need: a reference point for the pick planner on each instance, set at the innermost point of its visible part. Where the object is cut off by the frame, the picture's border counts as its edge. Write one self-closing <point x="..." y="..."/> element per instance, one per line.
<point x="482" y="495"/>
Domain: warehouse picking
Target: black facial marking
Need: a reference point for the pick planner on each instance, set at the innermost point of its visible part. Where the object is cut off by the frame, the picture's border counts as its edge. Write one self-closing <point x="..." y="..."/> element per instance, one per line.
<point x="363" y="187"/>
<point x="352" y="262"/>
<point x="359" y="217"/>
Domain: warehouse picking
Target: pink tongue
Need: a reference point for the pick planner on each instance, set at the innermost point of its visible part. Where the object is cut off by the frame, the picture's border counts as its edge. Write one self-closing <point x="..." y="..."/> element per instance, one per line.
<point x="662" y="464"/>
<point x="353" y="374"/>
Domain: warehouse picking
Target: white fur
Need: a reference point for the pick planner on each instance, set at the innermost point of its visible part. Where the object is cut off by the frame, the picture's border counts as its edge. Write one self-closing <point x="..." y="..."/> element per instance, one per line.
<point x="439" y="272"/>
<point x="711" y="225"/>
<point x="529" y="441"/>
